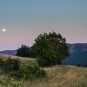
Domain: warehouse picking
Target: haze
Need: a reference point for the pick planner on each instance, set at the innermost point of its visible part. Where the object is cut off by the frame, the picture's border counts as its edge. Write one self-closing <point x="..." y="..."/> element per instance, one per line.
<point x="24" y="20"/>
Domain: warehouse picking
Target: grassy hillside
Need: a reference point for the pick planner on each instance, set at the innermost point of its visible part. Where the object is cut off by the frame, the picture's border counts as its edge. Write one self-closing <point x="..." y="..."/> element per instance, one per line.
<point x="22" y="59"/>
<point x="61" y="76"/>
<point x="57" y="76"/>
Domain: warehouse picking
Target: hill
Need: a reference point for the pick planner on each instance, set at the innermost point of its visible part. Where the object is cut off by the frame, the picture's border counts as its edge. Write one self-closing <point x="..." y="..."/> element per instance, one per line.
<point x="9" y="52"/>
<point x="22" y="59"/>
<point x="78" y="55"/>
<point x="57" y="76"/>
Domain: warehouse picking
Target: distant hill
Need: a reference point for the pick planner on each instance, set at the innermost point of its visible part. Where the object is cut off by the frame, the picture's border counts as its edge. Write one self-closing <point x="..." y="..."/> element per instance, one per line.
<point x="78" y="54"/>
<point x="9" y="52"/>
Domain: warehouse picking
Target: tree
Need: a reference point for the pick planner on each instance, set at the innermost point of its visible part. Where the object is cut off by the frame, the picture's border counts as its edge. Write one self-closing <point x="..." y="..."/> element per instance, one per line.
<point x="50" y="49"/>
<point x="23" y="51"/>
<point x="26" y="51"/>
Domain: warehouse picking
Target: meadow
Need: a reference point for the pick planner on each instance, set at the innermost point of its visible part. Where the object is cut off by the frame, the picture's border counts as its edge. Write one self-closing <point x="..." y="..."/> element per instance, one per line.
<point x="57" y="76"/>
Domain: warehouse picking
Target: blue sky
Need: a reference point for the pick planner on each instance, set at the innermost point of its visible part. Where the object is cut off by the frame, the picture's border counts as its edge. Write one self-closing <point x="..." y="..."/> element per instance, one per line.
<point x="24" y="20"/>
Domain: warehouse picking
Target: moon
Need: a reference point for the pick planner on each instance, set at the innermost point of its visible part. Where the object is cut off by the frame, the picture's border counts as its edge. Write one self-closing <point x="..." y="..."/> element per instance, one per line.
<point x="4" y="30"/>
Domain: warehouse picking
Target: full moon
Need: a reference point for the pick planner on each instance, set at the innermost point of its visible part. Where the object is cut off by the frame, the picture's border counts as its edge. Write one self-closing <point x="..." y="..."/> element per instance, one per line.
<point x="3" y="29"/>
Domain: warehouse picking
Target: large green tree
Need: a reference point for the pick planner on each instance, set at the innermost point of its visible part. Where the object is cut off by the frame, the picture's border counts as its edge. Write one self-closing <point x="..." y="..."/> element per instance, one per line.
<point x="50" y="49"/>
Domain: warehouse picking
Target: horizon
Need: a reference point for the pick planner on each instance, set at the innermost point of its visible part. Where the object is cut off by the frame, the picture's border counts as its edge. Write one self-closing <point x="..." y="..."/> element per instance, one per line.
<point x="24" y="20"/>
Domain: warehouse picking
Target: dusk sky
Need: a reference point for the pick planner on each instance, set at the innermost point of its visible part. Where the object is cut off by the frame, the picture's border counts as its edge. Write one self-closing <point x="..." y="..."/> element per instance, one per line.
<point x="24" y="20"/>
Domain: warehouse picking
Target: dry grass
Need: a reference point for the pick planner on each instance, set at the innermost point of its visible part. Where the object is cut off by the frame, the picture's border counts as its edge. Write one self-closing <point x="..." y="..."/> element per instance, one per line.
<point x="22" y="59"/>
<point x="61" y="76"/>
<point x="57" y="76"/>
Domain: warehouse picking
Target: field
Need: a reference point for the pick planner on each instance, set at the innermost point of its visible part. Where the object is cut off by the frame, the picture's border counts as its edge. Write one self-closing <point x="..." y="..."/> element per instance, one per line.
<point x="22" y="59"/>
<point x="61" y="76"/>
<point x="57" y="76"/>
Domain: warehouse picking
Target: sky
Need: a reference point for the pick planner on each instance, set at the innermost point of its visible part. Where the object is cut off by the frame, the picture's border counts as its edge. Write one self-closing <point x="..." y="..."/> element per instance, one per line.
<point x="24" y="20"/>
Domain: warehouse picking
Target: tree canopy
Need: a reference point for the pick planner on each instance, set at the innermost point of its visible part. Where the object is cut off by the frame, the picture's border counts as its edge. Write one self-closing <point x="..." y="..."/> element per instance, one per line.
<point x="50" y="49"/>
<point x="25" y="51"/>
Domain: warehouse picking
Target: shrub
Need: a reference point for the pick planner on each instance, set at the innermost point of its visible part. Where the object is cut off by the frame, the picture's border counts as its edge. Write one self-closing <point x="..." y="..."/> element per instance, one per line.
<point x="41" y="73"/>
<point x="12" y="65"/>
<point x="30" y="71"/>
<point x="1" y="63"/>
<point x="15" y="69"/>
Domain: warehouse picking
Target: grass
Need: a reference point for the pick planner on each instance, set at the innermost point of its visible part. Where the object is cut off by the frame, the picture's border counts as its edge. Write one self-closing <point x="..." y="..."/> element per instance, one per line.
<point x="57" y="76"/>
<point x="61" y="76"/>
<point x="22" y="59"/>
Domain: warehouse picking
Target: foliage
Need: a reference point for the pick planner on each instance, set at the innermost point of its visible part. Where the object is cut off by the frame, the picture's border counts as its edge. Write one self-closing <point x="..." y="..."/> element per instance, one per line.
<point x="57" y="76"/>
<point x="14" y="68"/>
<point x="50" y="49"/>
<point x="30" y="71"/>
<point x="25" y="51"/>
<point x="12" y="65"/>
<point x="1" y="63"/>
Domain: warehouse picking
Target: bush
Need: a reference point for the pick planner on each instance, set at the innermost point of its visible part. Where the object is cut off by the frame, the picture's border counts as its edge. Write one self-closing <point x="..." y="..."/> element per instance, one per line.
<point x="41" y="73"/>
<point x="30" y="71"/>
<point x="11" y="65"/>
<point x="14" y="68"/>
<point x="1" y="63"/>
